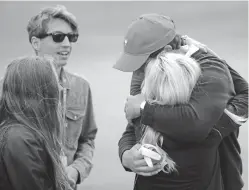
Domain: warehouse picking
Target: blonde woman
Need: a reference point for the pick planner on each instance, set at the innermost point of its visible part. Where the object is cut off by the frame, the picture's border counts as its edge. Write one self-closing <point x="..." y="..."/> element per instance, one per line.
<point x="169" y="80"/>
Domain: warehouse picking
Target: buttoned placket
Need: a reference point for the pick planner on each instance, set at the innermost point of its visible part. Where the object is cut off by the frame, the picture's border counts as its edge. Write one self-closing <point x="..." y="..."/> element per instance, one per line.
<point x="64" y="107"/>
<point x="64" y="103"/>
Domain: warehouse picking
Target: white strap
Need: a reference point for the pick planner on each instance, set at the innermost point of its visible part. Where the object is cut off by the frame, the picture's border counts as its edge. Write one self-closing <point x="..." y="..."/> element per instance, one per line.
<point x="191" y="50"/>
<point x="149" y="154"/>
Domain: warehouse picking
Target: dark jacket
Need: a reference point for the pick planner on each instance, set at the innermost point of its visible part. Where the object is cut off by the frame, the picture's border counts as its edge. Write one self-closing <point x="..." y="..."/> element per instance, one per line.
<point x="24" y="162"/>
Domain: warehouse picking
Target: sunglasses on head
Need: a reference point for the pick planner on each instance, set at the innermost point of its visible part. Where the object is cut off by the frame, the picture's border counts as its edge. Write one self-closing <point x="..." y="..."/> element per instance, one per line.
<point x="59" y="37"/>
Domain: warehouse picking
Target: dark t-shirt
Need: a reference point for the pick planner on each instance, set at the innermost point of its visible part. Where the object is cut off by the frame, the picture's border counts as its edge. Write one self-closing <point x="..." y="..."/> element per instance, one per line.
<point x="197" y="167"/>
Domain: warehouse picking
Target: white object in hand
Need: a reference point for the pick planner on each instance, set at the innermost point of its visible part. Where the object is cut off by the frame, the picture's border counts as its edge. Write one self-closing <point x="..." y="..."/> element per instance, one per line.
<point x="149" y="154"/>
<point x="148" y="161"/>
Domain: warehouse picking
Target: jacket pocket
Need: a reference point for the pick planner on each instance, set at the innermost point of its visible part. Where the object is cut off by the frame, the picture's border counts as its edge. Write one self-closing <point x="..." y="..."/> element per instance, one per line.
<point x="75" y="118"/>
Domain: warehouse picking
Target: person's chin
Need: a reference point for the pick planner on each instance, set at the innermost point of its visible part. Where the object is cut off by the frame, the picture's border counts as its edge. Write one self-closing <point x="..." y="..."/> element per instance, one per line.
<point x="62" y="63"/>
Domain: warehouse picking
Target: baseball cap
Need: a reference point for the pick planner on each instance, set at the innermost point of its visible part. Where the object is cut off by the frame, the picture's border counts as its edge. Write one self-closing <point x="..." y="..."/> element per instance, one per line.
<point x="145" y="35"/>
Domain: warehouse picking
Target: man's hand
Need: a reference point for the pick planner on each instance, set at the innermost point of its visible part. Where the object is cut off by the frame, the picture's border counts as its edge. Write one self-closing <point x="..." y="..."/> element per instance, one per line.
<point x="132" y="106"/>
<point x="72" y="174"/>
<point x="134" y="160"/>
<point x="190" y="41"/>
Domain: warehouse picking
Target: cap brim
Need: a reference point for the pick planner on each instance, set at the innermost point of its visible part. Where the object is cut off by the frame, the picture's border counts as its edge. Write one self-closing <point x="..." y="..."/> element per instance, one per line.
<point x="130" y="63"/>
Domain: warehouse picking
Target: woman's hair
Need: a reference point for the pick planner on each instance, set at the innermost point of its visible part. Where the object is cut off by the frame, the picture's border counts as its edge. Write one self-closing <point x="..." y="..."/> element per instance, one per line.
<point x="38" y="24"/>
<point x="30" y="96"/>
<point x="170" y="79"/>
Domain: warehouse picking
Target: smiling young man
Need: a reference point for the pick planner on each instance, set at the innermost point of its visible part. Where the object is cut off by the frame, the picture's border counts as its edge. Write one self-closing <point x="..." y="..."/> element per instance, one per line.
<point x="52" y="32"/>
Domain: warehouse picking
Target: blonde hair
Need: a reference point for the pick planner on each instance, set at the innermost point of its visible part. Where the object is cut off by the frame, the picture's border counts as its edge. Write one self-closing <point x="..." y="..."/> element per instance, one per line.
<point x="169" y="79"/>
<point x="37" y="25"/>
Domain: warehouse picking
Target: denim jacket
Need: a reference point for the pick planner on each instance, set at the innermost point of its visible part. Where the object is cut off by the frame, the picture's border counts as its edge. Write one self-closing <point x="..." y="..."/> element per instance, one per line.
<point x="79" y="128"/>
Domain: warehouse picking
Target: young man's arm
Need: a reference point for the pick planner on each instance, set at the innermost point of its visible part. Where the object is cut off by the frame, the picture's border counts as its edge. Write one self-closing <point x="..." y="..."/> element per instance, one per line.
<point x="86" y="144"/>
<point x="193" y="121"/>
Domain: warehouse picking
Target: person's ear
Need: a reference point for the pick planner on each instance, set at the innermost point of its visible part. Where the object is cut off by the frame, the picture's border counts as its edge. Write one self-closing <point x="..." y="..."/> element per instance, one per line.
<point x="36" y="43"/>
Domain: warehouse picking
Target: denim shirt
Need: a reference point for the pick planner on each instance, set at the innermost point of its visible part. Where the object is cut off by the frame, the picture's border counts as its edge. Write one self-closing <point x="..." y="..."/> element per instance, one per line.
<point x="79" y="126"/>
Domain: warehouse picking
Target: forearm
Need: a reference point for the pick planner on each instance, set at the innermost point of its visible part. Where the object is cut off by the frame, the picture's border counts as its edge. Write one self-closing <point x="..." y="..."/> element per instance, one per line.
<point x="85" y="151"/>
<point x="83" y="159"/>
<point x="86" y="144"/>
<point x="183" y="123"/>
<point x="239" y="103"/>
<point x="127" y="141"/>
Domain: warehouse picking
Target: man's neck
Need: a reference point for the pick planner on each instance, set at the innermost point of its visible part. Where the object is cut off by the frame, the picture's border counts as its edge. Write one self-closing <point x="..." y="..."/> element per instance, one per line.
<point x="58" y="70"/>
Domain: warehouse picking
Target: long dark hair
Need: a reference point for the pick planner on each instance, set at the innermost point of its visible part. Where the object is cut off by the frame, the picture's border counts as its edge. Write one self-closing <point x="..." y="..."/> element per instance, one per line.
<point x="30" y="96"/>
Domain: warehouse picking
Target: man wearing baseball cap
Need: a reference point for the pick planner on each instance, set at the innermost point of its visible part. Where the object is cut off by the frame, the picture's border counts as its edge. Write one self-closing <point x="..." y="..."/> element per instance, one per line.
<point x="147" y="34"/>
<point x="145" y="38"/>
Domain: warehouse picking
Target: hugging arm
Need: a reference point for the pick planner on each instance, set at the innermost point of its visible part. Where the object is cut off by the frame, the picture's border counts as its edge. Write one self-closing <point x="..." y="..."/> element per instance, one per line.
<point x="237" y="105"/>
<point x="193" y="121"/>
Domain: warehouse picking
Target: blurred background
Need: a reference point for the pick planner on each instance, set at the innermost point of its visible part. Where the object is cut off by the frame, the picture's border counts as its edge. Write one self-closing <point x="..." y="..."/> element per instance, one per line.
<point x="223" y="26"/>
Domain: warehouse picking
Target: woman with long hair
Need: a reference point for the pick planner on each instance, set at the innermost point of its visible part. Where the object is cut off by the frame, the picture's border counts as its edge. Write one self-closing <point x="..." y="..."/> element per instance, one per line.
<point x="30" y="128"/>
<point x="169" y="80"/>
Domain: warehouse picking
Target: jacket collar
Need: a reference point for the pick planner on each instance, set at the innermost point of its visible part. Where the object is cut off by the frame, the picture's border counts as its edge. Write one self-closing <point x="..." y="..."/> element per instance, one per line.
<point x="64" y="79"/>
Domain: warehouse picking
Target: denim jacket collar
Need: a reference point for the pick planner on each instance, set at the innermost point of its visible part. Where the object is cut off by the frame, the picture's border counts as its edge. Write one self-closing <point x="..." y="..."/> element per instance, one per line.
<point x="64" y="80"/>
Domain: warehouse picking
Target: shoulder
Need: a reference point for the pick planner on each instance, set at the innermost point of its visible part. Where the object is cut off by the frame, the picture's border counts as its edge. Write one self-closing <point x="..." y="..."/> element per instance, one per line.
<point x="204" y="58"/>
<point x="18" y="137"/>
<point x="77" y="80"/>
<point x="212" y="65"/>
<point x="215" y="75"/>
